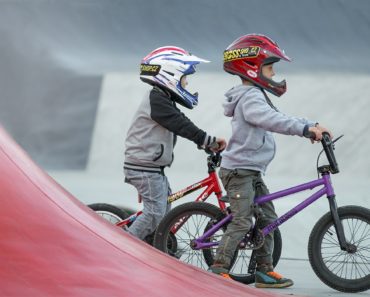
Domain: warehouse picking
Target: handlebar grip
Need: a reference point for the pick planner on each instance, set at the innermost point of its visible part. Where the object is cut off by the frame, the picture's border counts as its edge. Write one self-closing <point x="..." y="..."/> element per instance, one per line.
<point x="329" y="151"/>
<point x="326" y="138"/>
<point x="213" y="146"/>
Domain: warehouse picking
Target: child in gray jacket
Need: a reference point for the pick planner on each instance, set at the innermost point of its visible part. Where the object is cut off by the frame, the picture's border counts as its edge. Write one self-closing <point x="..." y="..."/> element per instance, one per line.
<point x="251" y="147"/>
<point x="156" y="124"/>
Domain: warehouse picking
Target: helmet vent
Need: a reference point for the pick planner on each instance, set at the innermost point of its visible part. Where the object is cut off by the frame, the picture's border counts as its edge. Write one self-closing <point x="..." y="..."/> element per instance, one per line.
<point x="170" y="73"/>
<point x="249" y="63"/>
<point x="256" y="40"/>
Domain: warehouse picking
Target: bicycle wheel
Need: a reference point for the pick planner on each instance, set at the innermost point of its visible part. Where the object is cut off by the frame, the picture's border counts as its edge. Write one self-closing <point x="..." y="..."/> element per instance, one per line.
<point x="341" y="270"/>
<point x="198" y="217"/>
<point x="111" y="213"/>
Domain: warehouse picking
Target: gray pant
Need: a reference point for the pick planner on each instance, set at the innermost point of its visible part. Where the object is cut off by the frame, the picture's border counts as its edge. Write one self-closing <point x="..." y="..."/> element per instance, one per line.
<point x="154" y="190"/>
<point x="242" y="186"/>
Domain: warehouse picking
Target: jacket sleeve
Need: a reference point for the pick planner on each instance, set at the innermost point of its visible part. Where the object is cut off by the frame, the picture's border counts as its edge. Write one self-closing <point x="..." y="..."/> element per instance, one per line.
<point x="165" y="113"/>
<point x="257" y="112"/>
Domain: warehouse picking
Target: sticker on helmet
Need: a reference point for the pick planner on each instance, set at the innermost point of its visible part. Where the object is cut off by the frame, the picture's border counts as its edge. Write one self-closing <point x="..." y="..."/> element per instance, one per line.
<point x="149" y="69"/>
<point x="240" y="53"/>
<point x="252" y="73"/>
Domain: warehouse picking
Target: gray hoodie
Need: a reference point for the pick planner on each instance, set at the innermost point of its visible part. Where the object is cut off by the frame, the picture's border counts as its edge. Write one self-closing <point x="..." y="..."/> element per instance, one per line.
<point x="252" y="145"/>
<point x="152" y="135"/>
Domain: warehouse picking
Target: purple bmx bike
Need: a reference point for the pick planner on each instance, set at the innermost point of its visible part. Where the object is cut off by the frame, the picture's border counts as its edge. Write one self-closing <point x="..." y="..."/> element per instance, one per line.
<point x="338" y="247"/>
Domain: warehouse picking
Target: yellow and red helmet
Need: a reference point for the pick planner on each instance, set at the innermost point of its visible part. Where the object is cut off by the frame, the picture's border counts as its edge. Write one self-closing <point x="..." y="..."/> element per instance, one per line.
<point x="246" y="56"/>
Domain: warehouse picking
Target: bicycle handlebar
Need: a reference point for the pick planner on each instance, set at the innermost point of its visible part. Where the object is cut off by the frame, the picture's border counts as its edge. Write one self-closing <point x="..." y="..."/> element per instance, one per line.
<point x="328" y="146"/>
<point x="212" y="148"/>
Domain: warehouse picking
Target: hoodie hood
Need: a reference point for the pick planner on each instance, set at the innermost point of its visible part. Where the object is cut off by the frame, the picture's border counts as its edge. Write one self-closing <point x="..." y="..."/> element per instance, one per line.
<point x="232" y="98"/>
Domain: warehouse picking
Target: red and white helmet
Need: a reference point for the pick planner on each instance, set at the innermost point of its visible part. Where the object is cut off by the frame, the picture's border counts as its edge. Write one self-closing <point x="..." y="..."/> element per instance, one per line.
<point x="246" y="56"/>
<point x="165" y="66"/>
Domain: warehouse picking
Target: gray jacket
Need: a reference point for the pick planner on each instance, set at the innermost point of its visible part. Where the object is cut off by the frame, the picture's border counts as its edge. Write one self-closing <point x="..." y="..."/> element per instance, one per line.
<point x="152" y="135"/>
<point x="254" y="118"/>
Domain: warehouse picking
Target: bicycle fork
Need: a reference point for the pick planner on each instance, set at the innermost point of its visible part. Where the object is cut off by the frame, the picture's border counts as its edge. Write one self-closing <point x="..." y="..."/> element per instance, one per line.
<point x="344" y="245"/>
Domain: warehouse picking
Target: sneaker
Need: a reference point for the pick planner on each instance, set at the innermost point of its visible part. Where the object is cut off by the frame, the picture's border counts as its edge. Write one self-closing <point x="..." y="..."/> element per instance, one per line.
<point x="267" y="278"/>
<point x="220" y="270"/>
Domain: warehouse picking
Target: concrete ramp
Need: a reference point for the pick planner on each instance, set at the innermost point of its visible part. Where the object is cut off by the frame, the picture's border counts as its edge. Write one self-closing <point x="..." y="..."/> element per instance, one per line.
<point x="52" y="245"/>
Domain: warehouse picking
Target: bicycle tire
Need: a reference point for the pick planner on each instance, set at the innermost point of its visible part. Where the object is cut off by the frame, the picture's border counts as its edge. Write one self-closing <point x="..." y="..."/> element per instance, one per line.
<point x="111" y="213"/>
<point x="165" y="241"/>
<point x="325" y="255"/>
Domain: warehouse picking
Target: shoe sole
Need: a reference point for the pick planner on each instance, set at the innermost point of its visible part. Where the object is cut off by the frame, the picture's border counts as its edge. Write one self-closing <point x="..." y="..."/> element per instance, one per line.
<point x="279" y="286"/>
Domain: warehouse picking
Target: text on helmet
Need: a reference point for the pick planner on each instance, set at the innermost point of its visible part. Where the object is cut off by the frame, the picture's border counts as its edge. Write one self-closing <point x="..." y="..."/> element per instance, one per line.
<point x="247" y="52"/>
<point x="146" y="69"/>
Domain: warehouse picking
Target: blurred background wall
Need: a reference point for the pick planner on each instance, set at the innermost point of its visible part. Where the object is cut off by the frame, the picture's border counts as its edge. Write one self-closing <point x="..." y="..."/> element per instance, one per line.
<point x="55" y="53"/>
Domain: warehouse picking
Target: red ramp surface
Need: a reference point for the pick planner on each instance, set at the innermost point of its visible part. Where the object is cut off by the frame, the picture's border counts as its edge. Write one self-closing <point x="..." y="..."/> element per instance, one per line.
<point x="53" y="245"/>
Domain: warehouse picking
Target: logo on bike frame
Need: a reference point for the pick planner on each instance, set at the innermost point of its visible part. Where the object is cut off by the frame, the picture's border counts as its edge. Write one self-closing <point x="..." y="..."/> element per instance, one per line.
<point x="184" y="192"/>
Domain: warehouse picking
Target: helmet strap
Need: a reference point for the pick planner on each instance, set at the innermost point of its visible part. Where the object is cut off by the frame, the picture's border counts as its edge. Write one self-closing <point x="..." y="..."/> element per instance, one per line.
<point x="268" y="100"/>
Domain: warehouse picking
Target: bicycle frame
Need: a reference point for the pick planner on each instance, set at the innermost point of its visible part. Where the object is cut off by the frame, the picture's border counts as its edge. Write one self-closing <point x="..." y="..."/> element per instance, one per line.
<point x="327" y="189"/>
<point x="211" y="185"/>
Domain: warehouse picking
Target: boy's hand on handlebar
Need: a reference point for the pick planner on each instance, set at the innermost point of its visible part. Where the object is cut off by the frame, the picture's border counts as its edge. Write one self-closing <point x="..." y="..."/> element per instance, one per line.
<point x="316" y="132"/>
<point x="217" y="145"/>
<point x="221" y="144"/>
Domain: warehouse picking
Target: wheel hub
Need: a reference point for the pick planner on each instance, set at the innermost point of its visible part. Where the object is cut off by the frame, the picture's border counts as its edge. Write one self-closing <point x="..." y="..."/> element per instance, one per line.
<point x="351" y="248"/>
<point x="193" y="244"/>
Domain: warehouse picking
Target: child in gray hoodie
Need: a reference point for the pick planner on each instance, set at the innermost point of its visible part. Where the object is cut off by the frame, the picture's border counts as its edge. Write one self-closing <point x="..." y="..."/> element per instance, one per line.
<point x="251" y="148"/>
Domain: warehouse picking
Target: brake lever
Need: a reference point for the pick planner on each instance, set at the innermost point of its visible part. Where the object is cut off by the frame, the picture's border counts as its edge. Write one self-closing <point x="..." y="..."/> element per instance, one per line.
<point x="336" y="139"/>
